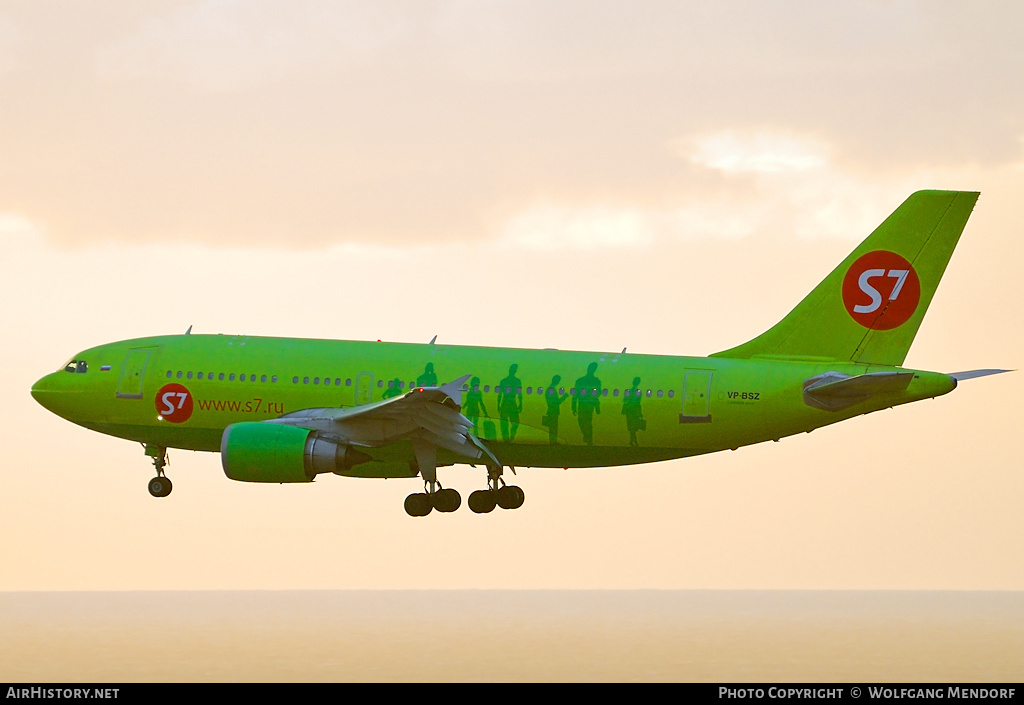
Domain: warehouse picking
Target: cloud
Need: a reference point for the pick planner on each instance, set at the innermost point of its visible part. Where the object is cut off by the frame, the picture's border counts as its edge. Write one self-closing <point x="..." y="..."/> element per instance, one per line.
<point x="759" y="152"/>
<point x="17" y="230"/>
<point x="549" y="228"/>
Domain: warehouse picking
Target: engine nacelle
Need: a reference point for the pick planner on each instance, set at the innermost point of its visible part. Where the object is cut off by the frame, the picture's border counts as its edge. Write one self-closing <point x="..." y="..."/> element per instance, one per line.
<point x="270" y="452"/>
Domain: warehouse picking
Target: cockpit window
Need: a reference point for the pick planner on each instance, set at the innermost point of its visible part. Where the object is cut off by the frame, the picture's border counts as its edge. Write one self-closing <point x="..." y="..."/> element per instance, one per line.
<point x="83" y="366"/>
<point x="77" y="366"/>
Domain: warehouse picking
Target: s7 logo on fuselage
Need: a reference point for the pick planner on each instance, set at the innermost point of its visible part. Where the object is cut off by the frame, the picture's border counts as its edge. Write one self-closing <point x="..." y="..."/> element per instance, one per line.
<point x="881" y="290"/>
<point x="174" y="403"/>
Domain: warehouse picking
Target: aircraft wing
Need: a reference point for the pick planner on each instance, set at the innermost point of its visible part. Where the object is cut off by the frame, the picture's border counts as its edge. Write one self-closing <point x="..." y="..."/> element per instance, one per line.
<point x="423" y="415"/>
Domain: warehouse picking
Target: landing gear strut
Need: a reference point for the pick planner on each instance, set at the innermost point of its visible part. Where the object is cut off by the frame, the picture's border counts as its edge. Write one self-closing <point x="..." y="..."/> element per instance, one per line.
<point x="497" y="494"/>
<point x="433" y="497"/>
<point x="159" y="486"/>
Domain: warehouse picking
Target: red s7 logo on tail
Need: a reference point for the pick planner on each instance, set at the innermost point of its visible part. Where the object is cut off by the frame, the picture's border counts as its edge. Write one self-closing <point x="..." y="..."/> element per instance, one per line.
<point x="881" y="290"/>
<point x="174" y="403"/>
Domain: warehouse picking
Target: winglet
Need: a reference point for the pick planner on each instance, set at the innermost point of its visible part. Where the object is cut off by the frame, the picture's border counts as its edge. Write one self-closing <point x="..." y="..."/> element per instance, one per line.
<point x="454" y="389"/>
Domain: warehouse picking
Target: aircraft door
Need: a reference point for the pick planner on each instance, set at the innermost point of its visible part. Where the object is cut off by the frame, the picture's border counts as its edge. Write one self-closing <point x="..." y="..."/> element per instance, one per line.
<point x="364" y="388"/>
<point x="129" y="384"/>
<point x="696" y="397"/>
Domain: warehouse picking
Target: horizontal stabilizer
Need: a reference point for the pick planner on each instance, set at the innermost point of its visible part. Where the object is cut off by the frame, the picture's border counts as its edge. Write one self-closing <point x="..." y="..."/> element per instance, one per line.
<point x="971" y="374"/>
<point x="834" y="391"/>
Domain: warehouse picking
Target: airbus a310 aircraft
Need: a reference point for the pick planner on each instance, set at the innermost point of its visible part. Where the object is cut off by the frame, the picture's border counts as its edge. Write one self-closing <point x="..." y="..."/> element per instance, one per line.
<point x="286" y="410"/>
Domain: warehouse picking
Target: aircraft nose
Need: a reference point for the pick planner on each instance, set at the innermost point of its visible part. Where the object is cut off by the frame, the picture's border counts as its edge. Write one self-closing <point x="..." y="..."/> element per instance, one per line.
<point x="45" y="392"/>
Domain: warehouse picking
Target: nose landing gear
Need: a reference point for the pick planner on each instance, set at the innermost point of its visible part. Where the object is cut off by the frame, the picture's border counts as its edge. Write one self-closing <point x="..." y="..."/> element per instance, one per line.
<point x="159" y="486"/>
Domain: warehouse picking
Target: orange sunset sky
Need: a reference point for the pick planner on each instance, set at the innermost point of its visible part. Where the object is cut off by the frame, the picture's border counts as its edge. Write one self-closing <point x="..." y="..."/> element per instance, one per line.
<point x="582" y="174"/>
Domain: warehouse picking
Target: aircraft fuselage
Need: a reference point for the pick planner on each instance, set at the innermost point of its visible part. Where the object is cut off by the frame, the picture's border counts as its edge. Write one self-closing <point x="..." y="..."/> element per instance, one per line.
<point x="534" y="408"/>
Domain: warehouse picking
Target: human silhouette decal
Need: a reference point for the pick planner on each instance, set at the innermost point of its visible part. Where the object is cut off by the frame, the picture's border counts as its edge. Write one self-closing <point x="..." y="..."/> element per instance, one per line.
<point x="554" y="401"/>
<point x="428" y="378"/>
<point x="473" y="403"/>
<point x="394" y="389"/>
<point x="634" y="414"/>
<point x="587" y="402"/>
<point x="510" y="404"/>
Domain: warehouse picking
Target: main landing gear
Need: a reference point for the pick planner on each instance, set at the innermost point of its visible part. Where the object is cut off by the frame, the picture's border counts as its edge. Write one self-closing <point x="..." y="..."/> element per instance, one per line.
<point x="444" y="500"/>
<point x="497" y="494"/>
<point x="447" y="500"/>
<point x="159" y="486"/>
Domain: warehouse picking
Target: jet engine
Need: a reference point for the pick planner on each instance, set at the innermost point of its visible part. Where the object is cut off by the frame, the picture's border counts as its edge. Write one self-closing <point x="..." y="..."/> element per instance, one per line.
<point x="270" y="452"/>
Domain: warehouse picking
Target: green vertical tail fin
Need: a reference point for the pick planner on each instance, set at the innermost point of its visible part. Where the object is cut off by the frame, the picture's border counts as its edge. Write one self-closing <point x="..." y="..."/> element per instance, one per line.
<point x="869" y="308"/>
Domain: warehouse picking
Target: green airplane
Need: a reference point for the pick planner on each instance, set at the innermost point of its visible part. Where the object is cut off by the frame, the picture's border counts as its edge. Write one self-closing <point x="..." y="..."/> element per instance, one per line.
<point x="287" y="410"/>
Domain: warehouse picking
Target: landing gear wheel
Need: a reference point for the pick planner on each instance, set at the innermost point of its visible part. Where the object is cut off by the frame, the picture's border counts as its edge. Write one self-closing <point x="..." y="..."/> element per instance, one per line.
<point x="418" y="504"/>
<point x="482" y="501"/>
<point x="160" y="487"/>
<point x="447" y="500"/>
<point x="509" y="497"/>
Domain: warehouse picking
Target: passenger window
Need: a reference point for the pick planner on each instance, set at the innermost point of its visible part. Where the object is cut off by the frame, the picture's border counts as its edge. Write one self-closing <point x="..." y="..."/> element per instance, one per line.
<point x="221" y="377"/>
<point x="168" y="374"/>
